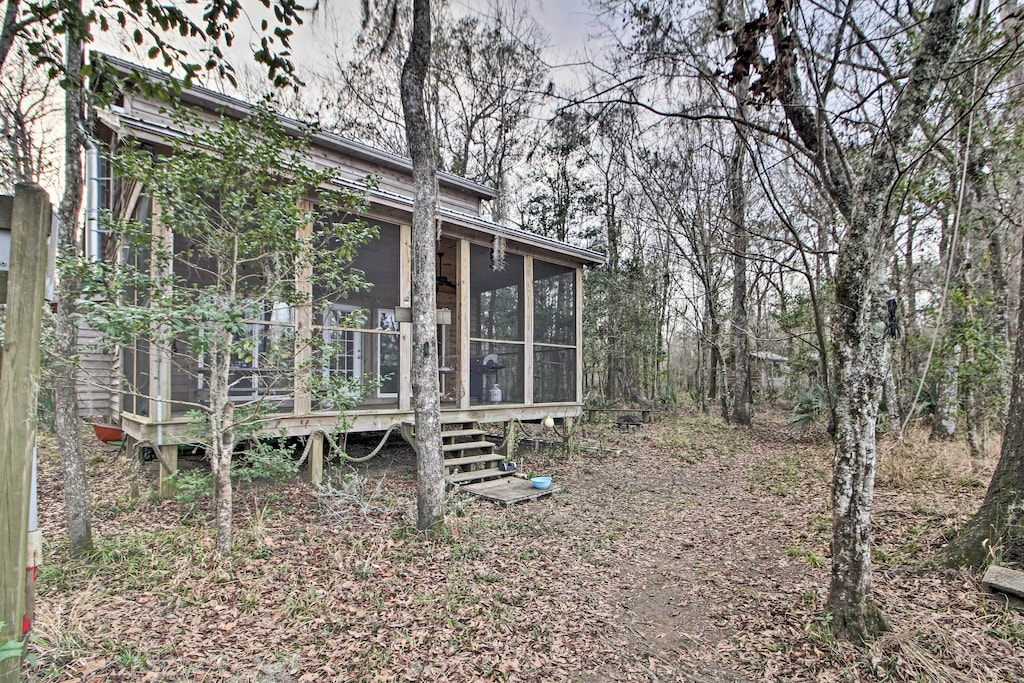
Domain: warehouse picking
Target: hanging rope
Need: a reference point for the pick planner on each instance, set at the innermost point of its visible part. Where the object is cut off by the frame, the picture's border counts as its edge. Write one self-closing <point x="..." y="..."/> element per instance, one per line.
<point x="305" y="451"/>
<point x="336" y="447"/>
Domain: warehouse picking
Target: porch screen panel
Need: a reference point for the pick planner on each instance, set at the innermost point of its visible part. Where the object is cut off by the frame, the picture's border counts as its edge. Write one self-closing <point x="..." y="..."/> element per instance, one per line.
<point x="356" y="337"/>
<point x="554" y="333"/>
<point x="135" y="355"/>
<point x="496" y="365"/>
<point x="497" y="343"/>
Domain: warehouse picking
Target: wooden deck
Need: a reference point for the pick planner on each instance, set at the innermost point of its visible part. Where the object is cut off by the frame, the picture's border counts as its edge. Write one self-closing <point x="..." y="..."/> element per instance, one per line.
<point x="509" y="490"/>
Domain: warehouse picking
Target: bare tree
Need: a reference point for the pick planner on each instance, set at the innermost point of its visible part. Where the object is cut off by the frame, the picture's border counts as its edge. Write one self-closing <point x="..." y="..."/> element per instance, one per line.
<point x="851" y="104"/>
<point x="27" y="110"/>
<point x="77" y="500"/>
<point x="426" y="394"/>
<point x="863" y="196"/>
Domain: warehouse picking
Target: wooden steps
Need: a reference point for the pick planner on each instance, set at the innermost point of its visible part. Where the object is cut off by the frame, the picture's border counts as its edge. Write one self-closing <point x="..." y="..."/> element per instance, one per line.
<point x="476" y="475"/>
<point x="468" y="456"/>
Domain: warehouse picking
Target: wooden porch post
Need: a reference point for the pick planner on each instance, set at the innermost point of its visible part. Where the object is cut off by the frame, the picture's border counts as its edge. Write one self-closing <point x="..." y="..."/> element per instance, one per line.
<point x="168" y="466"/>
<point x="316" y="459"/>
<point x="579" y="336"/>
<point x="161" y="266"/>
<point x="462" y="341"/>
<point x="405" y="329"/>
<point x="528" y="304"/>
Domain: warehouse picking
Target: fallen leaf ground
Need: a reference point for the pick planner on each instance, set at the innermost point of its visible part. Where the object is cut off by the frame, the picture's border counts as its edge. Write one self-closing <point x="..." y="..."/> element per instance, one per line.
<point x="688" y="550"/>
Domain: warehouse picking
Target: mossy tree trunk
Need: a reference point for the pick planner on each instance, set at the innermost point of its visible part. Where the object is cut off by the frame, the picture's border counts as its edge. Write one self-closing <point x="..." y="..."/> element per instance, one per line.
<point x="426" y="394"/>
<point x="78" y="502"/>
<point x="997" y="529"/>
<point x="863" y="201"/>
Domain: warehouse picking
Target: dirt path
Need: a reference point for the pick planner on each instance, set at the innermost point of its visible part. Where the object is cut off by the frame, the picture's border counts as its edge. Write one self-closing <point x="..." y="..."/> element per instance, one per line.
<point x="722" y="564"/>
<point x="701" y="516"/>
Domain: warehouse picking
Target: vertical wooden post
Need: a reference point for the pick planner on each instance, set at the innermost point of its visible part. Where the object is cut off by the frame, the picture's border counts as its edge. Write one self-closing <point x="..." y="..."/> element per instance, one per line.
<point x="303" y="318"/>
<point x="316" y="459"/>
<point x="168" y="467"/>
<point x="160" y="266"/>
<point x="405" y="329"/>
<point x="569" y="442"/>
<point x="579" y="336"/>
<point x="19" y="381"/>
<point x="463" y="343"/>
<point x="528" y="304"/>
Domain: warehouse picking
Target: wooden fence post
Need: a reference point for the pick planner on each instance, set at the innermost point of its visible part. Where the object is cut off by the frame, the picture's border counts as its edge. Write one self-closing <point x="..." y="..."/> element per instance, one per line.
<point x="19" y="381"/>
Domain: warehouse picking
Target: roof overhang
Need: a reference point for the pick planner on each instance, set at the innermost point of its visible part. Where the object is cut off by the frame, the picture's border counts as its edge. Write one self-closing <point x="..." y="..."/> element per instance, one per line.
<point x="230" y="106"/>
<point x="480" y="225"/>
<point x="126" y="124"/>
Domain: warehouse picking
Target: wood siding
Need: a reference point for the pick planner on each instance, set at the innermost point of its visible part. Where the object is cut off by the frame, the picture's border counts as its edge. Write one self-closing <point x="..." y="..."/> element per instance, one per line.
<point x="95" y="375"/>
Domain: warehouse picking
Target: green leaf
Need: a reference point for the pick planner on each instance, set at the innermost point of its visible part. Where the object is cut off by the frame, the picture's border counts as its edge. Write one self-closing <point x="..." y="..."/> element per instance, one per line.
<point x="10" y="650"/>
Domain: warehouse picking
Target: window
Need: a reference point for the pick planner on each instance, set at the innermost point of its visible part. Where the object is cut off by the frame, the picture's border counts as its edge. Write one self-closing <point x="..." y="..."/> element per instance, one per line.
<point x="387" y="353"/>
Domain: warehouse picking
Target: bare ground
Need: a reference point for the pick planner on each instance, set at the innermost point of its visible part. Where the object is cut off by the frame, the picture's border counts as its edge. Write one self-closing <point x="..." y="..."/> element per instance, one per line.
<point x="699" y="553"/>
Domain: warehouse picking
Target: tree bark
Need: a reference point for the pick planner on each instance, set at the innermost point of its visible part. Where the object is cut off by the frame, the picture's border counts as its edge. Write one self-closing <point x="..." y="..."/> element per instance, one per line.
<point x="222" y="441"/>
<point x="9" y="30"/>
<point x="430" y="517"/>
<point x="947" y="398"/>
<point x="859" y="321"/>
<point x="740" y="243"/>
<point x="996" y="531"/>
<point x="77" y="500"/>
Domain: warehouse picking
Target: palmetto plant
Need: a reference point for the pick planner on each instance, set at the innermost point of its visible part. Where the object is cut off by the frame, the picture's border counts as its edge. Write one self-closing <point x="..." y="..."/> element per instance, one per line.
<point x="811" y="404"/>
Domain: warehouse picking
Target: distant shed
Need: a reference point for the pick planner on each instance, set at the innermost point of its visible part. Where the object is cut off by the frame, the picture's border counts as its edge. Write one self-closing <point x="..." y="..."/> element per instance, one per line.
<point x="769" y="372"/>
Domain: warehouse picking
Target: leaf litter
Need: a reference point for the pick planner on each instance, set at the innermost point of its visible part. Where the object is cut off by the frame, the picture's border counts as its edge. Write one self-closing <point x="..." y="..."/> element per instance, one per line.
<point x="700" y="553"/>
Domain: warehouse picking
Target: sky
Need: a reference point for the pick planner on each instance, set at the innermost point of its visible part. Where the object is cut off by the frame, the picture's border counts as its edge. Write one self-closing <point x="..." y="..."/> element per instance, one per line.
<point x="572" y="29"/>
<point x="571" y="26"/>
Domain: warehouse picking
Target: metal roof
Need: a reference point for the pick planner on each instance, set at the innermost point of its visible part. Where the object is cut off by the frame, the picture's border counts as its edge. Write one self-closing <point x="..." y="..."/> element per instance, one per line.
<point x="360" y="150"/>
<point x="213" y="100"/>
<point x="482" y="225"/>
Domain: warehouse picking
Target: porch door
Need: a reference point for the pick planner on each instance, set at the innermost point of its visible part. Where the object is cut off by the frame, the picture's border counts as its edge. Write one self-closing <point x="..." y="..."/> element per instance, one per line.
<point x="346" y="356"/>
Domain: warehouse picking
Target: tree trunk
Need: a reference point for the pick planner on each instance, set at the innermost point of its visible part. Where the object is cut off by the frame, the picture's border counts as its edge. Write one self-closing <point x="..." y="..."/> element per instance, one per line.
<point x="221" y="440"/>
<point x="1000" y="307"/>
<point x="861" y="355"/>
<point x="892" y="401"/>
<point x="947" y="399"/>
<point x="998" y="527"/>
<point x="859" y="320"/>
<point x="77" y="500"/>
<point x="740" y="243"/>
<point x="430" y="517"/>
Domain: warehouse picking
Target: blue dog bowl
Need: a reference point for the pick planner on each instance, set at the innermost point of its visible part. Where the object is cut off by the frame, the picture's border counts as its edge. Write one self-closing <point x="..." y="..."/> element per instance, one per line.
<point x="541" y="482"/>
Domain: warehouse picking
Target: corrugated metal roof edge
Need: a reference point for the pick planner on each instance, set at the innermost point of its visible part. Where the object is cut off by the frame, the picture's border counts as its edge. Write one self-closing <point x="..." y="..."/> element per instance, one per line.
<point x="487" y="227"/>
<point x="198" y="94"/>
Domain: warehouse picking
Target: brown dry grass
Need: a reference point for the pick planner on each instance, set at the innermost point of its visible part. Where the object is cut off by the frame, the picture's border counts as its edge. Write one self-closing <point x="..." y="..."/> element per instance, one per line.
<point x="699" y="554"/>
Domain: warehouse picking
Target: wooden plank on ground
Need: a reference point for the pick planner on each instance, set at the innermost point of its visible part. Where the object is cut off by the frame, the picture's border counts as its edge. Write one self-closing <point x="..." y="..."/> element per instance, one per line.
<point x="1004" y="580"/>
<point x="509" y="490"/>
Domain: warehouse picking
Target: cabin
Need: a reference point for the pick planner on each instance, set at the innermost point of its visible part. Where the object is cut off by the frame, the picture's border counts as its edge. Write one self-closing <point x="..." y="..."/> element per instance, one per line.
<point x="510" y="338"/>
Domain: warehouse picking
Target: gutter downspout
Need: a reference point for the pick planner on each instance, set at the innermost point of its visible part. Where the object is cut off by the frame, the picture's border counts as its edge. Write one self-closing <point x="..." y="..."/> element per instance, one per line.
<point x="93" y="237"/>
